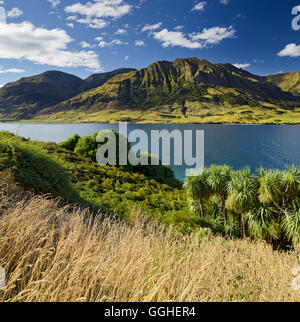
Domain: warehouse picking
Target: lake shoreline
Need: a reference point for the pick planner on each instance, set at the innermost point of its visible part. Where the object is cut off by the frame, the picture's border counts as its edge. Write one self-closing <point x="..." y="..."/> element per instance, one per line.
<point x="142" y="123"/>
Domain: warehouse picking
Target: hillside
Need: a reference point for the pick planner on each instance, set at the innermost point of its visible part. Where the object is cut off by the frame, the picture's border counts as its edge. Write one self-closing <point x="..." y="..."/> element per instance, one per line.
<point x="57" y="255"/>
<point x="25" y="98"/>
<point x="184" y="90"/>
<point x="97" y="80"/>
<point x="289" y="82"/>
<point x="104" y="221"/>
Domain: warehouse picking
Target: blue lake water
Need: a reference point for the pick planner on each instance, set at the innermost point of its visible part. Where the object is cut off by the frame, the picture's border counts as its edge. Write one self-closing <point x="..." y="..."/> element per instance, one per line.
<point x="270" y="146"/>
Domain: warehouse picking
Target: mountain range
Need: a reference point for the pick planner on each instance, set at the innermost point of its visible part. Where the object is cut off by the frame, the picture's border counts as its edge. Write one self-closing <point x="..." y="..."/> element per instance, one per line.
<point x="185" y="90"/>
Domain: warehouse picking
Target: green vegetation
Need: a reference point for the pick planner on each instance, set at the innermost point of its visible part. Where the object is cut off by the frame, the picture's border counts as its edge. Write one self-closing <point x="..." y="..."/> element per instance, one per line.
<point x="263" y="206"/>
<point x="289" y="82"/>
<point x="236" y="204"/>
<point x="49" y="168"/>
<point x="23" y="99"/>
<point x="88" y="146"/>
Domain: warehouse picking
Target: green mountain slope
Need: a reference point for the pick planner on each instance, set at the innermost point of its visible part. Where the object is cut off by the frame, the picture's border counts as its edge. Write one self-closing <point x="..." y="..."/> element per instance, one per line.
<point x="168" y="83"/>
<point x="185" y="90"/>
<point x="26" y="97"/>
<point x="289" y="82"/>
<point x="97" y="80"/>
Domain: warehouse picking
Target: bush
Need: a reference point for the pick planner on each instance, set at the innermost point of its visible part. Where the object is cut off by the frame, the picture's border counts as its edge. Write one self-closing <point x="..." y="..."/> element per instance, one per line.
<point x="33" y="168"/>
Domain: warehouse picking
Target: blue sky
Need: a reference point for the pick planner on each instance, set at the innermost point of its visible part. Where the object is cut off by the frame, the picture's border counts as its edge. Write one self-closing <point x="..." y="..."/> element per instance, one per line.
<point x="82" y="37"/>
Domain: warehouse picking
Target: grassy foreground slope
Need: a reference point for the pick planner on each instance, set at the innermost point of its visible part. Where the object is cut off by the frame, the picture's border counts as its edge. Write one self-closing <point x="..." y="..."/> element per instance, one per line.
<point x="60" y="255"/>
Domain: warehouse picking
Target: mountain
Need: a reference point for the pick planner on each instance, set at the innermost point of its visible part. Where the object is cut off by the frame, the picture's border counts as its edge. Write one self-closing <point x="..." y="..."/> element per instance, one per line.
<point x="97" y="80"/>
<point x="181" y="82"/>
<point x="26" y="97"/>
<point x="185" y="90"/>
<point x="289" y="82"/>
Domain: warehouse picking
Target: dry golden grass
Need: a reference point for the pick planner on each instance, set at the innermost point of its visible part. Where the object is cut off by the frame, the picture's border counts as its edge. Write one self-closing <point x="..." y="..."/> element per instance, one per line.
<point x="55" y="253"/>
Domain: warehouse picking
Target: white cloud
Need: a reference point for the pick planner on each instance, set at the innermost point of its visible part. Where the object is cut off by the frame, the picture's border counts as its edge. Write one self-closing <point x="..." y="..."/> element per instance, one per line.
<point x="85" y="44"/>
<point x="14" y="13"/>
<point x="24" y="41"/>
<point x="90" y="22"/>
<point x="290" y="50"/>
<point x="126" y="58"/>
<point x="224" y="2"/>
<point x="178" y="28"/>
<point x="175" y="38"/>
<point x="71" y="25"/>
<point x="115" y="42"/>
<point x="120" y="31"/>
<point x="211" y="36"/>
<point x="241" y="66"/>
<point x="139" y="43"/>
<point x="152" y="27"/>
<point x="11" y="70"/>
<point x="199" y="6"/>
<point x="54" y="3"/>
<point x="100" y="8"/>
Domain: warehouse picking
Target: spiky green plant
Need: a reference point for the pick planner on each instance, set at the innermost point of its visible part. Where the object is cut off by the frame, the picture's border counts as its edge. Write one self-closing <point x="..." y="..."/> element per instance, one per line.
<point x="217" y="179"/>
<point x="242" y="194"/>
<point x="263" y="224"/>
<point x="291" y="224"/>
<point x="198" y="190"/>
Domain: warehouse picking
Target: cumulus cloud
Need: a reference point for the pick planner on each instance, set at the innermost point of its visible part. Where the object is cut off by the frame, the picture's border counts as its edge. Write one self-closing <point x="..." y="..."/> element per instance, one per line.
<point x="139" y="43"/>
<point x="208" y="36"/>
<point x="94" y="23"/>
<point x="54" y="3"/>
<point x="213" y="35"/>
<point x="175" y="38"/>
<point x="120" y="31"/>
<point x="290" y="50"/>
<point x="85" y="44"/>
<point x="199" y="6"/>
<point x="14" y="13"/>
<point x="152" y="27"/>
<point x="224" y="2"/>
<point x="11" y="70"/>
<point x="115" y="42"/>
<point x="241" y="66"/>
<point x="24" y="41"/>
<point x="100" y="8"/>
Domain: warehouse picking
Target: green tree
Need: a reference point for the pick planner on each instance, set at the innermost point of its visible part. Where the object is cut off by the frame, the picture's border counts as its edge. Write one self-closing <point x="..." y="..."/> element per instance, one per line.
<point x="217" y="179"/>
<point x="198" y="191"/>
<point x="70" y="143"/>
<point x="242" y="194"/>
<point x="88" y="147"/>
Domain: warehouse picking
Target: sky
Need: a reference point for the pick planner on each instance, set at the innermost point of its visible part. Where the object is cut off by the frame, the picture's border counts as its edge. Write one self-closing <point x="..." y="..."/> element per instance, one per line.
<point x="84" y="37"/>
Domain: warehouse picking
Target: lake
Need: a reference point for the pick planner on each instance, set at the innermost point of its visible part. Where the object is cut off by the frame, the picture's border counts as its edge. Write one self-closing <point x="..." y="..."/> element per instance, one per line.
<point x="270" y="146"/>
